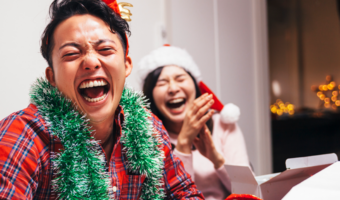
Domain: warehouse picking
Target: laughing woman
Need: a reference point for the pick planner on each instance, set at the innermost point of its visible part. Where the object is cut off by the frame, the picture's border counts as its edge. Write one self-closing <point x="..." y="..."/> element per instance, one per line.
<point x="202" y="138"/>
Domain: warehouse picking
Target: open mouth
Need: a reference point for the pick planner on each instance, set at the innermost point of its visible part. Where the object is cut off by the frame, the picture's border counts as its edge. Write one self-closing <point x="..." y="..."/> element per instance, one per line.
<point x="94" y="90"/>
<point x="176" y="104"/>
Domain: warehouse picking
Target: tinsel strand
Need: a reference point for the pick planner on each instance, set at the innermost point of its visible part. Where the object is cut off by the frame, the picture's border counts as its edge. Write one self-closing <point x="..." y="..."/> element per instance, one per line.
<point x="80" y="167"/>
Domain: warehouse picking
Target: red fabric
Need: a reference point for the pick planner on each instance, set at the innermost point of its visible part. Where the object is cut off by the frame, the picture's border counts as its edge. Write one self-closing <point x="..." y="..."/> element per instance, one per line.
<point x="242" y="197"/>
<point x="205" y="89"/>
<point x="25" y="163"/>
<point x="113" y="5"/>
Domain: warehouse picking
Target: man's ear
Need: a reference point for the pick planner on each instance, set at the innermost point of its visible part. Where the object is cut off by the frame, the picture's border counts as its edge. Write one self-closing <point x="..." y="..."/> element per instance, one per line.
<point x="50" y="76"/>
<point x="128" y="66"/>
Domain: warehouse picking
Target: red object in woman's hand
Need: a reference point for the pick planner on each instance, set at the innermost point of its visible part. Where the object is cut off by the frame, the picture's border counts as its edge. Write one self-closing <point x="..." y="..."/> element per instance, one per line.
<point x="242" y="197"/>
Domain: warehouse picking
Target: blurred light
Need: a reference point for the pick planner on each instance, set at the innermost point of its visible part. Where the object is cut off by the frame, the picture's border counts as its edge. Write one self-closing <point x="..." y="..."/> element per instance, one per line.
<point x="337" y="103"/>
<point x="322" y="97"/>
<point x="280" y="108"/>
<point x="335" y="93"/>
<point x="334" y="98"/>
<point x="290" y="107"/>
<point x="276" y="88"/>
<point x="324" y="87"/>
<point x="329" y="87"/>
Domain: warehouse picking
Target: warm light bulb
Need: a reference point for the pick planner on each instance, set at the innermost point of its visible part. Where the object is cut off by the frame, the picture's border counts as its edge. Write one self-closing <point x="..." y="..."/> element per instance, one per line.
<point x="324" y="87"/>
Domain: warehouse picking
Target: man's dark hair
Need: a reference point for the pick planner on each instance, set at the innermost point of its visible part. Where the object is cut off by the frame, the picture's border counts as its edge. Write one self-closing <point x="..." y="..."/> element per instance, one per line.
<point x="64" y="9"/>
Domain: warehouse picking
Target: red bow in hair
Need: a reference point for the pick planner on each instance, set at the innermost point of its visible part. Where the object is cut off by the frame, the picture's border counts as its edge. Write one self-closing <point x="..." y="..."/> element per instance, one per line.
<point x="113" y="5"/>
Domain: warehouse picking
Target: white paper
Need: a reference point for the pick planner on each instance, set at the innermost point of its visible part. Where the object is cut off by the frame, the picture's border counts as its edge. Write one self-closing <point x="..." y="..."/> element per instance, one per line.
<point x="323" y="185"/>
<point x="293" y="163"/>
<point x="276" y="186"/>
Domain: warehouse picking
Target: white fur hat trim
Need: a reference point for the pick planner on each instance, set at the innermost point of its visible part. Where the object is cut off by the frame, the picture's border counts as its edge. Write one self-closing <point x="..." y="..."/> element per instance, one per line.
<point x="230" y="113"/>
<point x="167" y="55"/>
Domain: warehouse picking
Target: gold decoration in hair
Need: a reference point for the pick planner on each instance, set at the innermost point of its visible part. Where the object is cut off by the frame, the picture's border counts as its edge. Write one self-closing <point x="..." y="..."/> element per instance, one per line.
<point x="125" y="13"/>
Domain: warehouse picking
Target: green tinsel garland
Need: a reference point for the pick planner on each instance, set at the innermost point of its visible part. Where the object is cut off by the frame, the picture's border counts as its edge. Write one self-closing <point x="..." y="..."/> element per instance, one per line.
<point x="80" y="167"/>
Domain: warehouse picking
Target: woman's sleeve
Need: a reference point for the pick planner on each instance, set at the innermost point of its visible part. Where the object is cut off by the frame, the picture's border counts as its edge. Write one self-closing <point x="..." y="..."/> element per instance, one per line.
<point x="187" y="162"/>
<point x="233" y="148"/>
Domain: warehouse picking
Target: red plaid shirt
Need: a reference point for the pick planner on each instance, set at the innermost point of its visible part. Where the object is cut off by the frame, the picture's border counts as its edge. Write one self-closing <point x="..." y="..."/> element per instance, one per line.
<point x="25" y="165"/>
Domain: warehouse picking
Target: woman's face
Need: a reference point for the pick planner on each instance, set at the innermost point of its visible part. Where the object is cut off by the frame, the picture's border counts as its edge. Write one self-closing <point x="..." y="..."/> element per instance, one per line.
<point x="174" y="93"/>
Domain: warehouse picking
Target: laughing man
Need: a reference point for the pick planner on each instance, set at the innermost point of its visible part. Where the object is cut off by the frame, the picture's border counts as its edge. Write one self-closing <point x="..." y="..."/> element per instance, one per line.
<point x="84" y="135"/>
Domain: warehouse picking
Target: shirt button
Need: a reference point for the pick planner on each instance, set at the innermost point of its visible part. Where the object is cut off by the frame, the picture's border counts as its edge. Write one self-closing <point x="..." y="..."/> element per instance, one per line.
<point x="114" y="188"/>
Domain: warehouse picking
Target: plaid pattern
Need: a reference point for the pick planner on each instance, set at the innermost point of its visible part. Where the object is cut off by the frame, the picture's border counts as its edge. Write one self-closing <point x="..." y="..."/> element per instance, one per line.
<point x="25" y="167"/>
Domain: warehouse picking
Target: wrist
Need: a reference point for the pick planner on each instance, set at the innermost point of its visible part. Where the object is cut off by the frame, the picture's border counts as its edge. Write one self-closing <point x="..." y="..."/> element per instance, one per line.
<point x="218" y="161"/>
<point x="184" y="145"/>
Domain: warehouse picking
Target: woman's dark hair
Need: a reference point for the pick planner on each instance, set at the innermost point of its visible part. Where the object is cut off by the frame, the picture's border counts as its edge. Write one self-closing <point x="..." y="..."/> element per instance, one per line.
<point x="62" y="10"/>
<point x="149" y="85"/>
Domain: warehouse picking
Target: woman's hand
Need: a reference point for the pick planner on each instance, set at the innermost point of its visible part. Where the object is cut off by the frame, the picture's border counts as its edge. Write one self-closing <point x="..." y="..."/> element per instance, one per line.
<point x="206" y="147"/>
<point x="195" y="118"/>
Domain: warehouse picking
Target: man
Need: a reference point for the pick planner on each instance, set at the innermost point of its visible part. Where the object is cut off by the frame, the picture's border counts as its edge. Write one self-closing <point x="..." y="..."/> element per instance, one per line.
<point x="118" y="151"/>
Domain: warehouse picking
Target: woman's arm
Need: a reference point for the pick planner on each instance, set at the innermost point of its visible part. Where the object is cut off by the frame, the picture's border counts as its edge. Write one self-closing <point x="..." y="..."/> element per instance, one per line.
<point x="233" y="149"/>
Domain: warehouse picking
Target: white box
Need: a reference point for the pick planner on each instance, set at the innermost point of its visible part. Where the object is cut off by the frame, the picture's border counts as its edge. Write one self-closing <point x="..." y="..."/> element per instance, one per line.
<point x="323" y="185"/>
<point x="276" y="186"/>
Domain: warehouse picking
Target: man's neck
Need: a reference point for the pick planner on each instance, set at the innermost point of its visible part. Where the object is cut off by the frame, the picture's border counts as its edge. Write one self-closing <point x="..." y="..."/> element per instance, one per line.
<point x="103" y="132"/>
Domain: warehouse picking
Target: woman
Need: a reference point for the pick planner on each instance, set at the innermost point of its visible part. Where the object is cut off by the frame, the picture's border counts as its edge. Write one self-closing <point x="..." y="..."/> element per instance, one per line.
<point x="200" y="139"/>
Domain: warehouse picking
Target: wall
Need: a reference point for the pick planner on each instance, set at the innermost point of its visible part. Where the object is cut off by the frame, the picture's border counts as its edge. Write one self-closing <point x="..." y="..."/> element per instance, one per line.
<point x="227" y="39"/>
<point x="22" y="23"/>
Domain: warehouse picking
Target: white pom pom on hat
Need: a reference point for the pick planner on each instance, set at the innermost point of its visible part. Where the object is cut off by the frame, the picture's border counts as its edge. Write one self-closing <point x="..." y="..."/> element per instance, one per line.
<point x="230" y="113"/>
<point x="169" y="55"/>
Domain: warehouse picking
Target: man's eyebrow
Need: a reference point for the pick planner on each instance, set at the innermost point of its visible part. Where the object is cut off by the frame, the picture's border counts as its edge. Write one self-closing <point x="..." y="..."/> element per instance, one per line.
<point x="73" y="44"/>
<point x="102" y="41"/>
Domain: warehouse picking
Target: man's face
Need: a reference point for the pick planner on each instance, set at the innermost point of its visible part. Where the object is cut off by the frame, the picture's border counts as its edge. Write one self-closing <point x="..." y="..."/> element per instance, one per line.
<point x="89" y="66"/>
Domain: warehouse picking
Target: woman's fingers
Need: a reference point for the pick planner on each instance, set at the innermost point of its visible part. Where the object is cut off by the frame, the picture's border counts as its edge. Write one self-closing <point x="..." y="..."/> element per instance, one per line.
<point x="206" y="117"/>
<point x="200" y="101"/>
<point x="204" y="109"/>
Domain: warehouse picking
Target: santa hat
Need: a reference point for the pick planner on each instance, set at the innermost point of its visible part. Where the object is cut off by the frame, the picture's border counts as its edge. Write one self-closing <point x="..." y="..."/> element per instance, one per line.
<point x="118" y="8"/>
<point x="170" y="55"/>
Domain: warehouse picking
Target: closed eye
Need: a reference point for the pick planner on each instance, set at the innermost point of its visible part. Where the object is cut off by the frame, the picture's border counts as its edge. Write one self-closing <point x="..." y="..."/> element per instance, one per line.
<point x="161" y="82"/>
<point x="70" y="54"/>
<point x="105" y="49"/>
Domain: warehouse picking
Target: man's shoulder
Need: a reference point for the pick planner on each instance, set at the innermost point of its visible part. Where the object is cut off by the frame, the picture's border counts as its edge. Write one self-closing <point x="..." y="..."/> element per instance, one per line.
<point x="27" y="122"/>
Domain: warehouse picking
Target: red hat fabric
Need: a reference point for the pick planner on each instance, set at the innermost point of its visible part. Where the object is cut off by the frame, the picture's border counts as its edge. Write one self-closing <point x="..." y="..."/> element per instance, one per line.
<point x="230" y="113"/>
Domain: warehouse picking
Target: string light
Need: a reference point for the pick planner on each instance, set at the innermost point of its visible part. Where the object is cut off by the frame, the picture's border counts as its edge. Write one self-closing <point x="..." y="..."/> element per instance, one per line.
<point x="328" y="94"/>
<point x="280" y="108"/>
